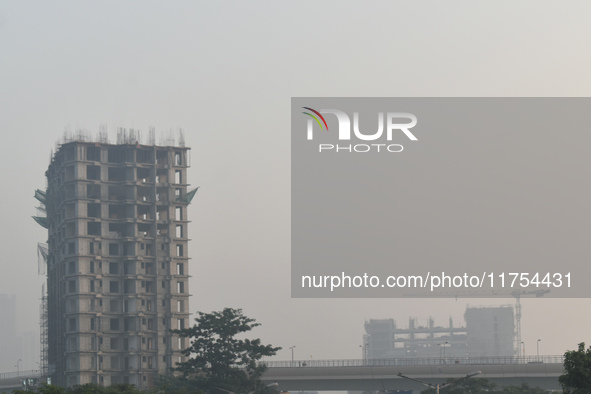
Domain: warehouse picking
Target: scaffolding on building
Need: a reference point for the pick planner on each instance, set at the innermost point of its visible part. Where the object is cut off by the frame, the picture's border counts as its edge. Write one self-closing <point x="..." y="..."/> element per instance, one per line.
<point x="124" y="136"/>
<point x="43" y="330"/>
<point x="42" y="255"/>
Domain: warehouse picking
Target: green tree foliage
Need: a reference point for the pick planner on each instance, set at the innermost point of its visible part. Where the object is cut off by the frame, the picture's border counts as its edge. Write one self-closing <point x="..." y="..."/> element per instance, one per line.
<point x="175" y="385"/>
<point x="217" y="359"/>
<point x="481" y="386"/>
<point x="84" y="389"/>
<point x="524" y="389"/>
<point x="113" y="389"/>
<point x="577" y="371"/>
<point x="472" y="385"/>
<point x="43" y="389"/>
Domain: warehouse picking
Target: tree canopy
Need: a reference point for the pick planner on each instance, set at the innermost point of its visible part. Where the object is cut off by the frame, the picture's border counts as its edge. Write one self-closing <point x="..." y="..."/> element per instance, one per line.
<point x="577" y="371"/>
<point x="217" y="359"/>
<point x="473" y="385"/>
<point x="84" y="389"/>
<point x="482" y="385"/>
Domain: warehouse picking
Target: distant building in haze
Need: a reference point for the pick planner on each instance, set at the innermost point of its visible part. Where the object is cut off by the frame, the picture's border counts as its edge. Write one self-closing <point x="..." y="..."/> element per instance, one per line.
<point x="383" y="339"/>
<point x="19" y="350"/>
<point x="9" y="345"/>
<point x="489" y="331"/>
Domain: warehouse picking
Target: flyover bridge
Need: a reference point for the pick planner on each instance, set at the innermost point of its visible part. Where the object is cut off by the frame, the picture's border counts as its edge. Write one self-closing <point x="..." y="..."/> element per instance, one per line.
<point x="10" y="381"/>
<point x="367" y="375"/>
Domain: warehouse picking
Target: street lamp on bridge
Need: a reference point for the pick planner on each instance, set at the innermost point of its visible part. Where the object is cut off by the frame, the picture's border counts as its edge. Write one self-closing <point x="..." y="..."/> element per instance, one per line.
<point x="443" y="385"/>
<point x="18" y="370"/>
<point x="364" y="351"/>
<point x="292" y="347"/>
<point x="442" y="346"/>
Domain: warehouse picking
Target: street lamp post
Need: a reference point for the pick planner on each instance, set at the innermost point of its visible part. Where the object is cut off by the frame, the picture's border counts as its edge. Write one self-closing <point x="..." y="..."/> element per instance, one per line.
<point x="364" y="352"/>
<point x="523" y="343"/>
<point x="538" y="347"/>
<point x="18" y="371"/>
<point x="442" y="385"/>
<point x="292" y="347"/>
<point x="444" y="346"/>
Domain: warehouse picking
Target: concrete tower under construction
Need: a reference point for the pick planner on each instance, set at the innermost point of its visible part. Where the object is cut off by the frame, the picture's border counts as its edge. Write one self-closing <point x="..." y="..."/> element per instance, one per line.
<point x="117" y="262"/>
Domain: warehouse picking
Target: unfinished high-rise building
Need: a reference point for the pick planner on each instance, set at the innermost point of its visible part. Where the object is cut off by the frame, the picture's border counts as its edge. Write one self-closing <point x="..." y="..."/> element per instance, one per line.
<point x="117" y="262"/>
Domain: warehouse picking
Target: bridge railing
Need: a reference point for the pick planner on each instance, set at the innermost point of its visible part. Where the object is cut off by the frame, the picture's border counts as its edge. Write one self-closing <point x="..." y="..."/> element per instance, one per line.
<point x="20" y="374"/>
<point x="417" y="362"/>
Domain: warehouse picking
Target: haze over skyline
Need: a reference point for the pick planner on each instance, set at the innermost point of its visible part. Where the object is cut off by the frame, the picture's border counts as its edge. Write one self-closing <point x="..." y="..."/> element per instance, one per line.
<point x="225" y="73"/>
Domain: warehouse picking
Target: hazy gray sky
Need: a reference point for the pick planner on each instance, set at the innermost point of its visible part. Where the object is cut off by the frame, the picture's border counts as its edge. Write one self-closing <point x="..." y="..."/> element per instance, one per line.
<point x="224" y="72"/>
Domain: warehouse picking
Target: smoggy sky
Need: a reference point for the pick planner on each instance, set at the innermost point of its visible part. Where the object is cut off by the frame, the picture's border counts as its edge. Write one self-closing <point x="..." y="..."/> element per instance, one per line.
<point x="224" y="72"/>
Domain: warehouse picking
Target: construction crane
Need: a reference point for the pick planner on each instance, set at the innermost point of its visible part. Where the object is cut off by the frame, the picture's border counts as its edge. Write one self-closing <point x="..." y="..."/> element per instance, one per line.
<point x="516" y="293"/>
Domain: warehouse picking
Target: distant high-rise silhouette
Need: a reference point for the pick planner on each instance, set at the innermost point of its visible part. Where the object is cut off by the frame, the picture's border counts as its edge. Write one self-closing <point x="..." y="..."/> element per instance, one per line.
<point x="9" y="351"/>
